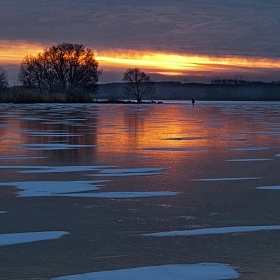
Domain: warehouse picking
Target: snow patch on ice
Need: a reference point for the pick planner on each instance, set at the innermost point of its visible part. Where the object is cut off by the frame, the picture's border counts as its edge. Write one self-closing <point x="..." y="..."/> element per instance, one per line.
<point x="175" y="149"/>
<point x="53" y="188"/>
<point x="227" y="179"/>
<point x="124" y="195"/>
<point x="26" y="237"/>
<point x="62" y="169"/>
<point x="19" y="157"/>
<point x="268" y="188"/>
<point x="248" y="159"/>
<point x="54" y="169"/>
<point x="130" y="172"/>
<point x="52" y="147"/>
<point x="201" y="271"/>
<point x="76" y="189"/>
<point x="48" y="133"/>
<point x="251" y="149"/>
<point x="208" y="231"/>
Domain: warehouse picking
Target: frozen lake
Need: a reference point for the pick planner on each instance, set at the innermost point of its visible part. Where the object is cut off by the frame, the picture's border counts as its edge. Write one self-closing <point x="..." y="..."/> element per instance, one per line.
<point x="149" y="191"/>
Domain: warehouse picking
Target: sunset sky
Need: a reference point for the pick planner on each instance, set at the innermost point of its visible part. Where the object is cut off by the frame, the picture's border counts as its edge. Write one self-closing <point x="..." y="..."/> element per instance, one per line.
<point x="171" y="40"/>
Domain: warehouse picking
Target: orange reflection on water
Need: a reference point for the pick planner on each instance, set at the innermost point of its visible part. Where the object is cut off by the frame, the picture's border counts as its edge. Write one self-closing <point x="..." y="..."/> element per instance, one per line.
<point x="165" y="131"/>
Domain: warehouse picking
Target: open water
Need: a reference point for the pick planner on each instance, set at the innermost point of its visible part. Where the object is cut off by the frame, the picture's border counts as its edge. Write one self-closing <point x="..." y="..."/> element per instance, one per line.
<point x="143" y="190"/>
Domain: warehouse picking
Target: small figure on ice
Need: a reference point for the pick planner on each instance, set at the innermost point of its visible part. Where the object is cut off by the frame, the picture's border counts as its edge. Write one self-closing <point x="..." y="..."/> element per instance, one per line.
<point x="193" y="101"/>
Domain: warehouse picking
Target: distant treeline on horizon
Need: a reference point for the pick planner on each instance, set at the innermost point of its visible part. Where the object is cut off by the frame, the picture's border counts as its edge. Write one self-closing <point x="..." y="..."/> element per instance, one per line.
<point x="267" y="91"/>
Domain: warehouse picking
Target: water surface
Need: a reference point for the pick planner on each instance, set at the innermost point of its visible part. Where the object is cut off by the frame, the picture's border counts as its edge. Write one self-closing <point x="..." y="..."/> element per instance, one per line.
<point x="117" y="176"/>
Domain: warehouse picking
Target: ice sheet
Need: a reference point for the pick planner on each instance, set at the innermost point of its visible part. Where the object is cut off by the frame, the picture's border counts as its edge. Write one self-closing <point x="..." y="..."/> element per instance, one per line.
<point x="48" y="133"/>
<point x="227" y="179"/>
<point x="251" y="149"/>
<point x="175" y="149"/>
<point x="55" y="169"/>
<point x="52" y="147"/>
<point x="19" y="157"/>
<point x="76" y="189"/>
<point x="268" y="188"/>
<point x="248" y="159"/>
<point x="26" y="237"/>
<point x="62" y="169"/>
<point x="53" y="188"/>
<point x="201" y="271"/>
<point x="207" y="231"/>
<point x="130" y="172"/>
<point x="124" y="195"/>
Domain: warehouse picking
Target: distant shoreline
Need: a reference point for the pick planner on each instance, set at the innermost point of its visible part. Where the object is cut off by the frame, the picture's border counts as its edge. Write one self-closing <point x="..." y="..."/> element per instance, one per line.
<point x="165" y="91"/>
<point x="207" y="92"/>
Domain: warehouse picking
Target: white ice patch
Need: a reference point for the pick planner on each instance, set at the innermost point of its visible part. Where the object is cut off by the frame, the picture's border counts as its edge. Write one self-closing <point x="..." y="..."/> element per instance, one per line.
<point x="26" y="237"/>
<point x="123" y="195"/>
<point x="76" y="189"/>
<point x="130" y="172"/>
<point x="21" y="167"/>
<point x="268" y="188"/>
<point x="63" y="169"/>
<point x="54" y="169"/>
<point x="248" y="159"/>
<point x="53" y="188"/>
<point x="227" y="179"/>
<point x="174" y="149"/>
<point x="3" y="212"/>
<point x="52" y="147"/>
<point x="48" y="133"/>
<point x="208" y="231"/>
<point x="19" y="157"/>
<point x="251" y="149"/>
<point x="201" y="271"/>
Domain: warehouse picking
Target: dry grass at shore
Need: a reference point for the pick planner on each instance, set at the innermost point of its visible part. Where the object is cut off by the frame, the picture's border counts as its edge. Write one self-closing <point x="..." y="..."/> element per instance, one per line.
<point x="26" y="95"/>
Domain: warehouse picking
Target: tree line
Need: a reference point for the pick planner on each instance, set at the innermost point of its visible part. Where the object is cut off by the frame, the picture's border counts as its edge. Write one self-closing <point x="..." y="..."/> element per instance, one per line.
<point x="219" y="81"/>
<point x="70" y="70"/>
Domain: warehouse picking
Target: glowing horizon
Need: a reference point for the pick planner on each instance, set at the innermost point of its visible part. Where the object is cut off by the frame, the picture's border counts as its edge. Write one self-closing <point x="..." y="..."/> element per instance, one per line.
<point x="171" y="64"/>
<point x="161" y="63"/>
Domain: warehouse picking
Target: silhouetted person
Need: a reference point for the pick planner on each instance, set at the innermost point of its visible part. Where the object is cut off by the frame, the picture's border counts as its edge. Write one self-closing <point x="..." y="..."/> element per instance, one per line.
<point x="193" y="101"/>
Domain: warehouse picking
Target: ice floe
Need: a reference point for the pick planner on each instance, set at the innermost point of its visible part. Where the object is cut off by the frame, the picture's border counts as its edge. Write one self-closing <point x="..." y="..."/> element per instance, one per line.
<point x="248" y="159"/>
<point x="124" y="195"/>
<point x="54" y="169"/>
<point x="250" y="149"/>
<point x="227" y="179"/>
<point x="19" y="157"/>
<point x="76" y="189"/>
<point x="52" y="146"/>
<point x="175" y="149"/>
<point x="208" y="231"/>
<point x="3" y="212"/>
<point x="200" y="271"/>
<point x="130" y="172"/>
<point x="63" y="169"/>
<point x="268" y="188"/>
<point x="53" y="188"/>
<point x="48" y="133"/>
<point x="26" y="237"/>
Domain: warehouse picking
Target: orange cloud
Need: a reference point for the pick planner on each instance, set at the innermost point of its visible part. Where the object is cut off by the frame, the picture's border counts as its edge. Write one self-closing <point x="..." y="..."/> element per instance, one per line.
<point x="13" y="52"/>
<point x="180" y="64"/>
<point x="163" y="63"/>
